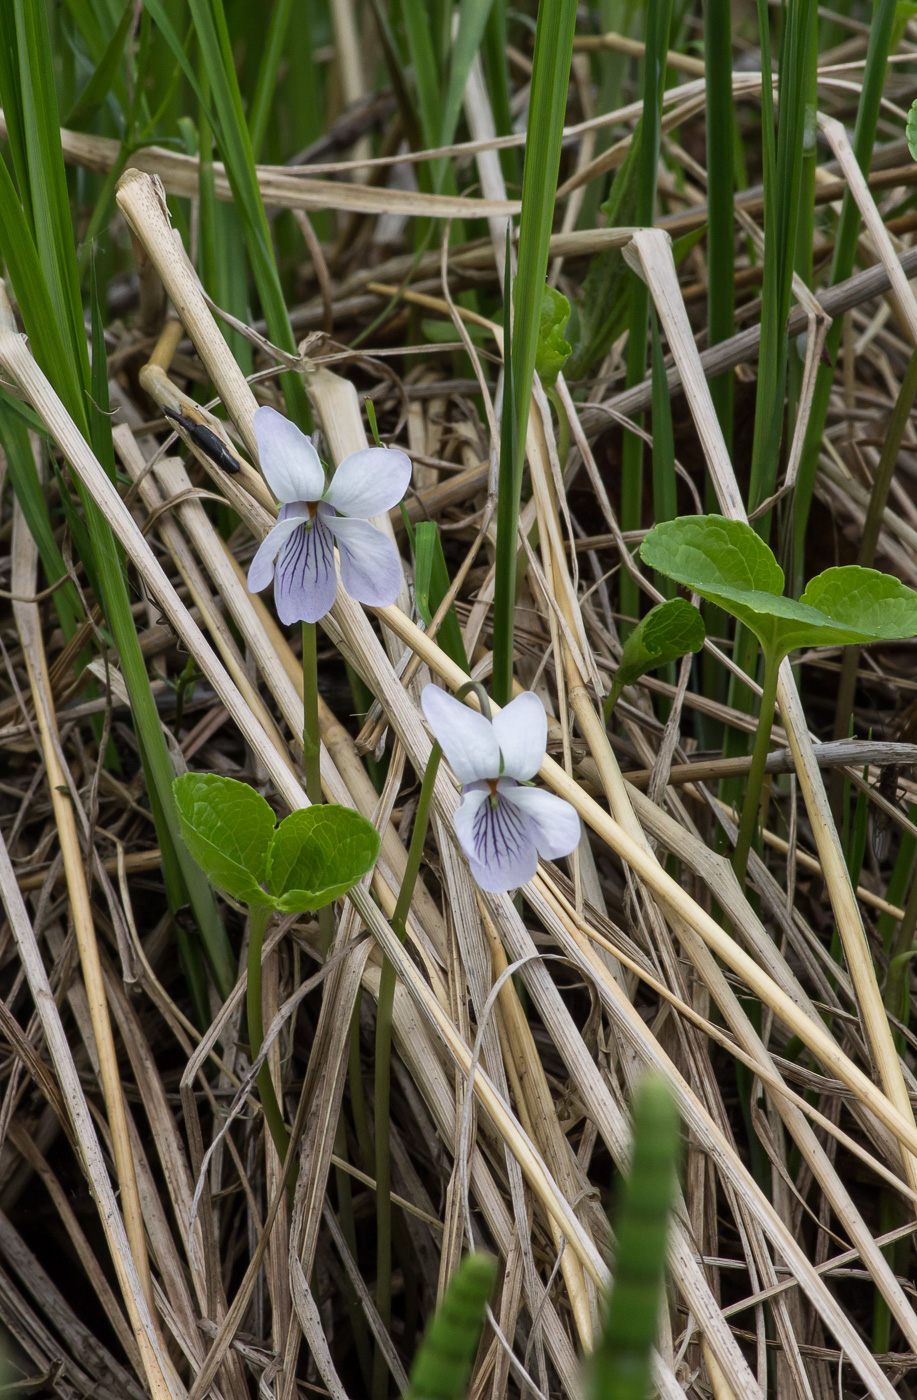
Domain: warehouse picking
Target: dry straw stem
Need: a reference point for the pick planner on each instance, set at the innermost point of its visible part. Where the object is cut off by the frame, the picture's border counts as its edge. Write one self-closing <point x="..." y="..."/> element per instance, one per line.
<point x="901" y="289"/>
<point x="16" y="359"/>
<point x="418" y="989"/>
<point x="653" y="249"/>
<point x="160" y="1377"/>
<point x="810" y="1031"/>
<point x="405" y="721"/>
<point x="180" y="175"/>
<point x="635" y="48"/>
<point x="552" y="1199"/>
<point x="24" y="574"/>
<point x="596" y="738"/>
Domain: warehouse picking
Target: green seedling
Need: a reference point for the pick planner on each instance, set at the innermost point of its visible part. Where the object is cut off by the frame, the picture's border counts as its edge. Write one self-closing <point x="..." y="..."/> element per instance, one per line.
<point x="910" y="130"/>
<point x="727" y="563"/>
<point x="311" y="858"/>
<point x="552" y="350"/>
<point x="669" y="631"/>
<point x="621" y="1365"/>
<point x="444" y="1359"/>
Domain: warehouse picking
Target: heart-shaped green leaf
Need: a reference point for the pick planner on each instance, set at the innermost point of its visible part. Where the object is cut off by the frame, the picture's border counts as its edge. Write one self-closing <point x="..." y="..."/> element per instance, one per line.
<point x="668" y="631"/>
<point x="227" y="827"/>
<point x="317" y="854"/>
<point x="726" y="562"/>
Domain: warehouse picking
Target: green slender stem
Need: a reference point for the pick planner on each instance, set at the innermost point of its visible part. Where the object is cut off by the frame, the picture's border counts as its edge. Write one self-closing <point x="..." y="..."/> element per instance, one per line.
<point x="720" y="180"/>
<point x="550" y="84"/>
<point x="866" y="556"/>
<point x="258" y="919"/>
<point x="311" y="752"/>
<point x="311" y="734"/>
<point x="756" y="772"/>
<point x="611" y="699"/>
<point x="563" y="427"/>
<point x="382" y="1082"/>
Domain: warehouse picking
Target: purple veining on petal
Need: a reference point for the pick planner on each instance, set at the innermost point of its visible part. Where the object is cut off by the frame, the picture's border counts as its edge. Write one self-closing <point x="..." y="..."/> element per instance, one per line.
<point x="305" y="581"/>
<point x="499" y="833"/>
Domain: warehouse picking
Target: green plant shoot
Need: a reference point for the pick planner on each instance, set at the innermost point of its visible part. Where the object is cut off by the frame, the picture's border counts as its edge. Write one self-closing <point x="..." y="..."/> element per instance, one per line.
<point x="621" y="1365"/>
<point x="728" y="563"/>
<point x="669" y="631"/>
<point x="311" y="858"/>
<point x="444" y="1358"/>
<point x="911" y="129"/>
<point x="552" y="350"/>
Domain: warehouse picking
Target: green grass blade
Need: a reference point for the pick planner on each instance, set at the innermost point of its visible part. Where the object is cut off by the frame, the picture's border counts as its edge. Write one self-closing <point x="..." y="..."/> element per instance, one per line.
<point x="721" y="230"/>
<point x="105" y="76"/>
<point x="665" y="495"/>
<point x="547" y="110"/>
<point x="496" y="70"/>
<point x="658" y="25"/>
<point x="14" y="438"/>
<point x="266" y="84"/>
<point x="782" y="189"/>
<point x="880" y="36"/>
<point x="431" y="584"/>
<point x="44" y="277"/>
<point x="507" y="508"/>
<point x="473" y="19"/>
<point x="236" y="148"/>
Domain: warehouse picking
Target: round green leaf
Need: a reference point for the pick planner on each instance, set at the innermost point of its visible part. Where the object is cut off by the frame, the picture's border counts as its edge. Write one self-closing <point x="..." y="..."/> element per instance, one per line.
<point x="227" y="827"/>
<point x="709" y="552"/>
<point x="865" y="599"/>
<point x="317" y="854"/>
<point x="726" y="562"/>
<point x="911" y="130"/>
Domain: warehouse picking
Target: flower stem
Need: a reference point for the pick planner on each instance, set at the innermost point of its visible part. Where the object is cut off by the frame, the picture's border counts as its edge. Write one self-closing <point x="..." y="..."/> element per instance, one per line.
<point x="755" y="783"/>
<point x="258" y="918"/>
<point x="311" y="752"/>
<point x="311" y="735"/>
<point x="563" y="427"/>
<point x="383" y="1058"/>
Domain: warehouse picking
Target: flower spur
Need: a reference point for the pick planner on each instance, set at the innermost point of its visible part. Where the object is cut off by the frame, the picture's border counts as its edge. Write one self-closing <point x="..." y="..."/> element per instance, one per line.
<point x="503" y="826"/>
<point x="298" y="553"/>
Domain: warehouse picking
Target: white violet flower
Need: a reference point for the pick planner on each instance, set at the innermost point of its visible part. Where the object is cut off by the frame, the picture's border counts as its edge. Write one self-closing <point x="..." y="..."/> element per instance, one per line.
<point x="314" y="514"/>
<point x="502" y="826"/>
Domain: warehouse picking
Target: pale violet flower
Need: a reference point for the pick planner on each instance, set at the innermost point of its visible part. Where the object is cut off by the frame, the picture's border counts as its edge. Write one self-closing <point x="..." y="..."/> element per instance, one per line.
<point x="314" y="514"/>
<point x="502" y="826"/>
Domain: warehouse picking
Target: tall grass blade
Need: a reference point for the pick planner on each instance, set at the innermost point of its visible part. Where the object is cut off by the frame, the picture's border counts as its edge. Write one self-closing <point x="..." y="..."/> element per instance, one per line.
<point x="880" y="35"/>
<point x="235" y="144"/>
<point x="658" y="24"/>
<point x="44" y="276"/>
<point x="547" y="111"/>
<point x="720" y="133"/>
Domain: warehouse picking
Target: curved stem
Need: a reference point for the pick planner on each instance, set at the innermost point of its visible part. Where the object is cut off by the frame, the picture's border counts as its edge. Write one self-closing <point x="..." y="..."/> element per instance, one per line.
<point x="311" y="752"/>
<point x="311" y="735"/>
<point x="273" y="1113"/>
<point x="382" y="1084"/>
<point x="755" y="783"/>
<point x="563" y="426"/>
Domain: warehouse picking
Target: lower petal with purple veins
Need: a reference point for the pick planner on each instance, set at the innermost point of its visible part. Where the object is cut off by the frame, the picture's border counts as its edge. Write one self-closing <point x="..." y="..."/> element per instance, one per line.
<point x="305" y="581"/>
<point x="496" y="838"/>
<point x="261" y="569"/>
